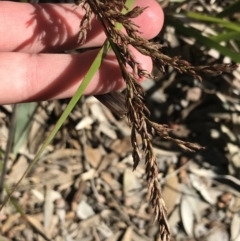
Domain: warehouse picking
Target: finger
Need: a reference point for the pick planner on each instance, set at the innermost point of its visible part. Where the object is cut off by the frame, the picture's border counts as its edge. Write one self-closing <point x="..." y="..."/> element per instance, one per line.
<point x="35" y="28"/>
<point x="35" y="77"/>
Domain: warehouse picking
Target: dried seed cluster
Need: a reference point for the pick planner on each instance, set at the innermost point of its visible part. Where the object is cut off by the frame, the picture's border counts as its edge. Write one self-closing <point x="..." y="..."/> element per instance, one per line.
<point x="109" y="13"/>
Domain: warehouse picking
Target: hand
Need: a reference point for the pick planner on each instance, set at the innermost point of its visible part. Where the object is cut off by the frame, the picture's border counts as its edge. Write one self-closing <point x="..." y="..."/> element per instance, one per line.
<point x="32" y="36"/>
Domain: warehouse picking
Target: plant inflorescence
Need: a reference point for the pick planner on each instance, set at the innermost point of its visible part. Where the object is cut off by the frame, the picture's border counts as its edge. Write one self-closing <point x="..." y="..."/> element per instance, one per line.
<point x="109" y="14"/>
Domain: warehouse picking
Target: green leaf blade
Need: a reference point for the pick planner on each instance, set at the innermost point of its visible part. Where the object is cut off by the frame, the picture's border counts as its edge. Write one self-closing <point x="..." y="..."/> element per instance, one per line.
<point x="189" y="31"/>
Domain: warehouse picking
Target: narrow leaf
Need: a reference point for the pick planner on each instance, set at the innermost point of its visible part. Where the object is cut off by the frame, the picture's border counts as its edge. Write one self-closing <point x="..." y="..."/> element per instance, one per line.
<point x="23" y="119"/>
<point x="207" y="18"/>
<point x="226" y="36"/>
<point x="191" y="32"/>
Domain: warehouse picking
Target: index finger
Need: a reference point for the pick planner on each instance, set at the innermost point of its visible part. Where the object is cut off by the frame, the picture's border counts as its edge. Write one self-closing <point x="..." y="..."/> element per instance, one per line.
<point x="35" y="28"/>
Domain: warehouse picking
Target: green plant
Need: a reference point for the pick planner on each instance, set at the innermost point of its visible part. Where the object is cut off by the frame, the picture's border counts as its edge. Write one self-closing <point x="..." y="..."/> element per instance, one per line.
<point x="226" y="31"/>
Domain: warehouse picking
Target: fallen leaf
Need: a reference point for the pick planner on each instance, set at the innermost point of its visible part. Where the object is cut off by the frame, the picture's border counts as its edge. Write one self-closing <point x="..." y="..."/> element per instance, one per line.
<point x="171" y="190"/>
<point x="84" y="210"/>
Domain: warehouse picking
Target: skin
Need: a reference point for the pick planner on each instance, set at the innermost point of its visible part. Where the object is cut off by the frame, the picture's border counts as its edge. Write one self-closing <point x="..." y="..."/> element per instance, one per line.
<point x="31" y="69"/>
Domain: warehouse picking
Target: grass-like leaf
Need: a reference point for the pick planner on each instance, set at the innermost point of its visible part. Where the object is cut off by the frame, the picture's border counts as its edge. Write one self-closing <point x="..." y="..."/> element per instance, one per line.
<point x="231" y="35"/>
<point x="214" y="20"/>
<point x="191" y="32"/>
<point x="23" y="119"/>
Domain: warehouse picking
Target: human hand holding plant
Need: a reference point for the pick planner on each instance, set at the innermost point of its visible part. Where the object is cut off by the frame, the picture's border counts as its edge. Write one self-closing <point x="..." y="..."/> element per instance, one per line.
<point x="27" y="75"/>
<point x="31" y="68"/>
